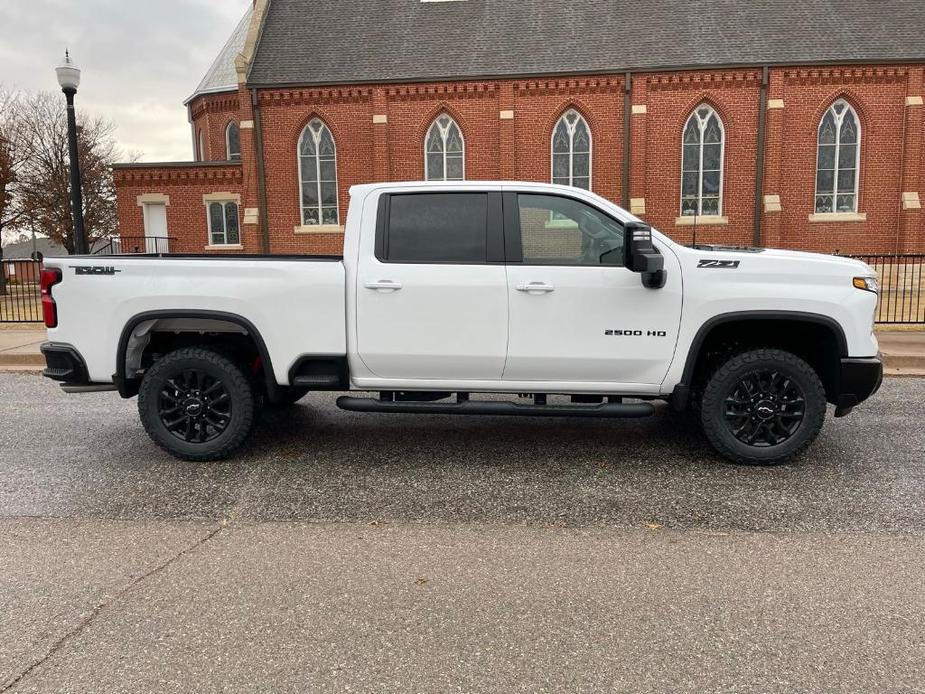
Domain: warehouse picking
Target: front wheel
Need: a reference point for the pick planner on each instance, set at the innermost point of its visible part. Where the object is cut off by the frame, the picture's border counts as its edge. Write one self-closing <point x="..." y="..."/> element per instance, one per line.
<point x="196" y="404"/>
<point x="763" y="407"/>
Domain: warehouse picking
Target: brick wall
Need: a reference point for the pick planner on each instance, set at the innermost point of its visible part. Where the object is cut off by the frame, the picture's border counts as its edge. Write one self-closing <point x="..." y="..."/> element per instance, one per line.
<point x="507" y="125"/>
<point x="878" y="97"/>
<point x="181" y="188"/>
<point x="212" y="114"/>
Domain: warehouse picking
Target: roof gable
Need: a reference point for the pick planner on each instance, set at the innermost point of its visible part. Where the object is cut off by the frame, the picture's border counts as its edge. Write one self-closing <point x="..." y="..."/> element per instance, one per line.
<point x="222" y="75"/>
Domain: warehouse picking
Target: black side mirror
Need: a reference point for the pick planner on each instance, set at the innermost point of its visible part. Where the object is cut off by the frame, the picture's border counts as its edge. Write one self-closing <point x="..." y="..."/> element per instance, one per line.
<point x="640" y="255"/>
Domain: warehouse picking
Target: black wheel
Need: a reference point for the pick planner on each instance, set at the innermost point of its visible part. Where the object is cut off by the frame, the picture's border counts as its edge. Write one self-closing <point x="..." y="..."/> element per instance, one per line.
<point x="289" y="396"/>
<point x="762" y="407"/>
<point x="196" y="404"/>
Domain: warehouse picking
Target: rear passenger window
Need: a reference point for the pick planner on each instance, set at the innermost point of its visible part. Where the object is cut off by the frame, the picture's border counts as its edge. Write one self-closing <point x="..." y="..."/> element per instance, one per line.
<point x="437" y="228"/>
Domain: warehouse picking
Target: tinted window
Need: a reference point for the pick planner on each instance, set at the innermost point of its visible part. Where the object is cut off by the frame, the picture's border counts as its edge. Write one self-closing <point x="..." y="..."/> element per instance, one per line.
<point x="438" y="228"/>
<point x="562" y="231"/>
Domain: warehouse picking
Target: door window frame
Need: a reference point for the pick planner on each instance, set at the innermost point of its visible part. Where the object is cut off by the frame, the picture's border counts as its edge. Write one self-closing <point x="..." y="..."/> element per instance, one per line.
<point x="494" y="234"/>
<point x="513" y="241"/>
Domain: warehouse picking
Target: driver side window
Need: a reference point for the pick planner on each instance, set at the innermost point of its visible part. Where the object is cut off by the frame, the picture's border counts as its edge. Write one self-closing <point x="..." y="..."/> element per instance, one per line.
<point x="561" y="231"/>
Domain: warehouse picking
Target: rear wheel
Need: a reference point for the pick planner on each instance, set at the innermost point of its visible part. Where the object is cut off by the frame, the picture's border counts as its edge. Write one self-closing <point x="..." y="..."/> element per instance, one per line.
<point x="196" y="404"/>
<point x="762" y="407"/>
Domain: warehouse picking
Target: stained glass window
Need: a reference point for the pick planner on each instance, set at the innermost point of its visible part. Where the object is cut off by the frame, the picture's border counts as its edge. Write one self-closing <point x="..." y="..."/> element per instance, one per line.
<point x="444" y="151"/>
<point x="702" y="163"/>
<point x="223" y="224"/>
<point x="838" y="148"/>
<point x="318" y="174"/>
<point x="571" y="151"/>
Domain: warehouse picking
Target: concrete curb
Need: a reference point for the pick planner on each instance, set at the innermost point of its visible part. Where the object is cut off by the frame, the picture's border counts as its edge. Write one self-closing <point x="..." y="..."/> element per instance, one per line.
<point x="21" y="359"/>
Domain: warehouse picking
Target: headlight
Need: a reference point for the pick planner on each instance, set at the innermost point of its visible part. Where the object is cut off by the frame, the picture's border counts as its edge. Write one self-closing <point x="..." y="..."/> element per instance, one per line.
<point x="869" y="284"/>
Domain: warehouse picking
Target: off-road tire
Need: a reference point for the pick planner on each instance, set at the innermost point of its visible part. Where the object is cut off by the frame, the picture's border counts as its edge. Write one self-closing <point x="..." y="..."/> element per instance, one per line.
<point x="215" y="366"/>
<point x="722" y="384"/>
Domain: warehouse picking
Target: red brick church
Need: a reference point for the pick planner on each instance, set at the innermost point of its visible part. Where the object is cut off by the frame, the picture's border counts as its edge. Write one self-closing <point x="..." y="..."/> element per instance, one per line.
<point x="776" y="123"/>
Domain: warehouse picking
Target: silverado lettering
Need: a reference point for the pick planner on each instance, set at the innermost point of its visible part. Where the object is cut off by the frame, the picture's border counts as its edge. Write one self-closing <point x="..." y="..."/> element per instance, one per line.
<point x="95" y="270"/>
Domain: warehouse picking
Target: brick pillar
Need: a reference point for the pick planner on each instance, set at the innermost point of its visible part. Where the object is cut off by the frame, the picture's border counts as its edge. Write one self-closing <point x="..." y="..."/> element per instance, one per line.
<point x="250" y="199"/>
<point x="507" y="153"/>
<point x="911" y="227"/>
<point x="380" y="117"/>
<point x="771" y="204"/>
<point x="638" y="141"/>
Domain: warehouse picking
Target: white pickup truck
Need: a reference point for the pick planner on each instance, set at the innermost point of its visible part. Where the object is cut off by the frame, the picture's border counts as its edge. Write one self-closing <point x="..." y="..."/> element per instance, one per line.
<point x="551" y="295"/>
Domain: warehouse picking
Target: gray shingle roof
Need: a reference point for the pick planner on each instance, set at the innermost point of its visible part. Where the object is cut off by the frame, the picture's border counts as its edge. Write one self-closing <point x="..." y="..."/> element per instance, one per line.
<point x="23" y="249"/>
<point x="222" y="75"/>
<point x="344" y="41"/>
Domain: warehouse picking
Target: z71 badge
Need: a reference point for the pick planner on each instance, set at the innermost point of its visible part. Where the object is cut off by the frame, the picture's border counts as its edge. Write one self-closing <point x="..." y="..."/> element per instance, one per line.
<point x="719" y="264"/>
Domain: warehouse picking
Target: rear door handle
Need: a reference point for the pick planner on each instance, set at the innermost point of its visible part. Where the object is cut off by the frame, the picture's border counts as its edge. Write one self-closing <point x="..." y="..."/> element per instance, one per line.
<point x="539" y="287"/>
<point x="384" y="285"/>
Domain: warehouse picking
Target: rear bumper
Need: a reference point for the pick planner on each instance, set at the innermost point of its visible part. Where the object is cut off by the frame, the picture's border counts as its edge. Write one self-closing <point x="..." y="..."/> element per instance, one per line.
<point x="64" y="363"/>
<point x="858" y="380"/>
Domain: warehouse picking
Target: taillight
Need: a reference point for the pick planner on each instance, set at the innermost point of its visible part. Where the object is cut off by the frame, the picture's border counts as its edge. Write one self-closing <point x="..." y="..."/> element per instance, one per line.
<point x="50" y="277"/>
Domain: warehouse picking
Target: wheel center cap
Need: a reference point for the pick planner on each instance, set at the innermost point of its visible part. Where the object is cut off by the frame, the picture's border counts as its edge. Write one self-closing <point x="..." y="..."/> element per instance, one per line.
<point x="193" y="407"/>
<point x="765" y="409"/>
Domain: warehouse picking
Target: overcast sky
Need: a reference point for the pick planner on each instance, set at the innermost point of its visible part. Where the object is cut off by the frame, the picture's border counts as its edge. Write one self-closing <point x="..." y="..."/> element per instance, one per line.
<point x="139" y="59"/>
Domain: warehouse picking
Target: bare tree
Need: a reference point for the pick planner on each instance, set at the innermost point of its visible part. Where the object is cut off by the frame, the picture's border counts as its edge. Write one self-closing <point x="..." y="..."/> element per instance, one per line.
<point x="43" y="183"/>
<point x="13" y="155"/>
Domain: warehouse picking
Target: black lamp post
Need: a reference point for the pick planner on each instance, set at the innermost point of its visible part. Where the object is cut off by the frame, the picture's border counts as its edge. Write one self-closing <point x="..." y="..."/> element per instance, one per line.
<point x="69" y="79"/>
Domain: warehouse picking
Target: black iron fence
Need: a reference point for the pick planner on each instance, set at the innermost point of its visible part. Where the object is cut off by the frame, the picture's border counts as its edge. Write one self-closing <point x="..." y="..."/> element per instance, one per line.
<point x="20" y="292"/>
<point x="133" y="244"/>
<point x="902" y="287"/>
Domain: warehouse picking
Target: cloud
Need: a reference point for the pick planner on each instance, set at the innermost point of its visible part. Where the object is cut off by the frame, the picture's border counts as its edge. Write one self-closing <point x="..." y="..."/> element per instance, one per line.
<point x="140" y="59"/>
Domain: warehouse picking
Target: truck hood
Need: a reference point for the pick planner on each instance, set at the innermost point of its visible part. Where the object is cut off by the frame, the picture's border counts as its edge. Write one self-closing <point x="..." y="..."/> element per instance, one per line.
<point x="830" y="262"/>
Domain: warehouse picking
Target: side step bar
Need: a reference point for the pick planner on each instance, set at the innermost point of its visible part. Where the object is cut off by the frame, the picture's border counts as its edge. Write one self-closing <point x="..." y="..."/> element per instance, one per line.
<point x="489" y="407"/>
<point x="317" y="381"/>
<point x="88" y="387"/>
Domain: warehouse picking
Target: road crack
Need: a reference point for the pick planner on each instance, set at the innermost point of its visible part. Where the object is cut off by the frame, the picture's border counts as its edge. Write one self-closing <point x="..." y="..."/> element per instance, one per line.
<point x="107" y="602"/>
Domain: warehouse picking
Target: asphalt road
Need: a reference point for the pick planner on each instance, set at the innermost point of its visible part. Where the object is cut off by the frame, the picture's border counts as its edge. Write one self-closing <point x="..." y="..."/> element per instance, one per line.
<point x="347" y="552"/>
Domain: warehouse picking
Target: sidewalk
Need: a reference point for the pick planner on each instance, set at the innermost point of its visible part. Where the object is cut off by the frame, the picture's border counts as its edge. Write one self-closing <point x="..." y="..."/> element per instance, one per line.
<point x="903" y="351"/>
<point x="19" y="347"/>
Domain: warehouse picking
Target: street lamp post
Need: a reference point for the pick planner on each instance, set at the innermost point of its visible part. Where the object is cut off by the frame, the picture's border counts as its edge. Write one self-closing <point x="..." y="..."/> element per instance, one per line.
<point x="69" y="79"/>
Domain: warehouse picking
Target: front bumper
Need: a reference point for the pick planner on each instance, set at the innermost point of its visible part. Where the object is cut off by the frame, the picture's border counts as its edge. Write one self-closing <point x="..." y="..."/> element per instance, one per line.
<point x="859" y="378"/>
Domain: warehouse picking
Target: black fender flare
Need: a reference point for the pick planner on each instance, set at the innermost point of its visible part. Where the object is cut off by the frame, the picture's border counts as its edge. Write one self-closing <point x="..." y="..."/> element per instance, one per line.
<point x="129" y="387"/>
<point x="681" y="392"/>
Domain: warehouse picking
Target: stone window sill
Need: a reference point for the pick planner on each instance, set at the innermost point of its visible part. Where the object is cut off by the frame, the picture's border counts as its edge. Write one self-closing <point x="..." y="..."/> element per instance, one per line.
<point x="821" y="217"/>
<point x="225" y="247"/>
<point x="320" y="229"/>
<point x="706" y="220"/>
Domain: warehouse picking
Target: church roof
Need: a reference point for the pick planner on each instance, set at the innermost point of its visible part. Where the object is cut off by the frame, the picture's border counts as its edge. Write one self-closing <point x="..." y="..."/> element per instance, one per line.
<point x="222" y="75"/>
<point x="355" y="41"/>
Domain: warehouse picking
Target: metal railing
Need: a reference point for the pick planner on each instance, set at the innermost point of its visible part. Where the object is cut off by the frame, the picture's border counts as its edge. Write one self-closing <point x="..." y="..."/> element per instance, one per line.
<point x="902" y="287"/>
<point x="134" y="244"/>
<point x="20" y="293"/>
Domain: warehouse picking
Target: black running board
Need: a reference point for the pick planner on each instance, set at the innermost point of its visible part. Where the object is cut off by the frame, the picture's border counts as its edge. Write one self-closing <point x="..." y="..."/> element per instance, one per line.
<point x="317" y="381"/>
<point x="497" y="408"/>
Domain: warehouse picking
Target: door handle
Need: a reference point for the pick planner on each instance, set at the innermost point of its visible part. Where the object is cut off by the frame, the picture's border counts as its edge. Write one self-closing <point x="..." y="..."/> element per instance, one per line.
<point x="385" y="285"/>
<point x="530" y="287"/>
